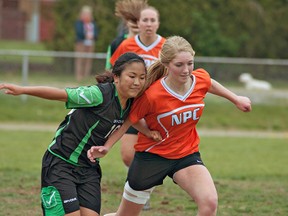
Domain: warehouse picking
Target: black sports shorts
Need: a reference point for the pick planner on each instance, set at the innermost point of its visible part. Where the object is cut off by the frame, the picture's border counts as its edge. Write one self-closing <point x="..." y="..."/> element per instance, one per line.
<point x="148" y="170"/>
<point x="65" y="187"/>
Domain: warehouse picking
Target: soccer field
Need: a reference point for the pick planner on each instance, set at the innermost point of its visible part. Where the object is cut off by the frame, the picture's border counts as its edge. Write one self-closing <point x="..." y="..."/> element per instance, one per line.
<point x="248" y="173"/>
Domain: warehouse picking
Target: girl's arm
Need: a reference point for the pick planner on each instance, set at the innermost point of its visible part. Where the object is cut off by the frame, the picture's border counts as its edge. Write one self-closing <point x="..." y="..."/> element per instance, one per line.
<point x="101" y="151"/>
<point x="49" y="93"/>
<point x="241" y="102"/>
<point x="142" y="127"/>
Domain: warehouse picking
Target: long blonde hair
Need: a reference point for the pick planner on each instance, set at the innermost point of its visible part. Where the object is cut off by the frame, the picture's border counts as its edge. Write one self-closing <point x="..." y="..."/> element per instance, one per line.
<point x="172" y="46"/>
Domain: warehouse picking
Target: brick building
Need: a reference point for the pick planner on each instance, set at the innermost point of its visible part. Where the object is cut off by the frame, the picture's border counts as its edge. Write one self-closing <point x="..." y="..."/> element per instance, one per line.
<point x="29" y="20"/>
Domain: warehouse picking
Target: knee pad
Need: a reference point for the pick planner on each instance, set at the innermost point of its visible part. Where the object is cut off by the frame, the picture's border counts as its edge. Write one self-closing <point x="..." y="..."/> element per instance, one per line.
<point x="139" y="197"/>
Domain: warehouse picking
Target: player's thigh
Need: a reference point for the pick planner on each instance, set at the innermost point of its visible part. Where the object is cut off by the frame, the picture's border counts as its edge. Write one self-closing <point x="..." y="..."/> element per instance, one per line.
<point x="87" y="212"/>
<point x="89" y="191"/>
<point x="58" y="190"/>
<point x="76" y="213"/>
<point x="147" y="170"/>
<point x="127" y="147"/>
<point x="196" y="181"/>
<point x="127" y="143"/>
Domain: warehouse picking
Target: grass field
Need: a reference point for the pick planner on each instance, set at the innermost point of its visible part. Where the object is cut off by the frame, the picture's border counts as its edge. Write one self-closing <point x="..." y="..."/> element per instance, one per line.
<point x="218" y="113"/>
<point x="22" y="45"/>
<point x="249" y="174"/>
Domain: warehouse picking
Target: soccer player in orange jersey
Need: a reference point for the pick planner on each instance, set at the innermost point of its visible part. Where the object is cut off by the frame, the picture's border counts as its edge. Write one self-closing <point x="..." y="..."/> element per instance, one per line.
<point x="146" y="44"/>
<point x="129" y="13"/>
<point x="172" y="104"/>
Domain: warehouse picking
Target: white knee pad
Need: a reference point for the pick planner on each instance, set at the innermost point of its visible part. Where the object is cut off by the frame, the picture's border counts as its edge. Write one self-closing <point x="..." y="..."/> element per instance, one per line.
<point x="139" y="197"/>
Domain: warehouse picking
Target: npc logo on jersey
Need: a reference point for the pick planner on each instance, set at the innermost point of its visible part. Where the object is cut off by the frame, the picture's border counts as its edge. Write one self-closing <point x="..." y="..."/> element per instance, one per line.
<point x="180" y="116"/>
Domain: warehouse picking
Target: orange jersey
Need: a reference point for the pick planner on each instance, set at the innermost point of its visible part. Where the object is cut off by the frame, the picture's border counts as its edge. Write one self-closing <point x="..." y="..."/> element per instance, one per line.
<point x="150" y="53"/>
<point x="173" y="115"/>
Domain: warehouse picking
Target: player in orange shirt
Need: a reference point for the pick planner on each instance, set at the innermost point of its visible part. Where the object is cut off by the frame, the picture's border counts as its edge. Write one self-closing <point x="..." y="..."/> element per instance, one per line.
<point x="172" y="104"/>
<point x="129" y="13"/>
<point x="146" y="44"/>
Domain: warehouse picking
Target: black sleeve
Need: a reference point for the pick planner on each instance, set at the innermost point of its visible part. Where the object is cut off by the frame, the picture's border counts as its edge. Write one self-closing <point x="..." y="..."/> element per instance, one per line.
<point x="116" y="42"/>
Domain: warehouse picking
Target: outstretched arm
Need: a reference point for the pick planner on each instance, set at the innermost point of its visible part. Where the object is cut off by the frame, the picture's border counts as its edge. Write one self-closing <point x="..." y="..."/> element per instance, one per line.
<point x="241" y="102"/>
<point x="49" y="93"/>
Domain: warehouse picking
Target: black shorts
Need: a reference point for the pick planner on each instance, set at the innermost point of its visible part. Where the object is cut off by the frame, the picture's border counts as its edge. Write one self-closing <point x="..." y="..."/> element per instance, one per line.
<point x="65" y="187"/>
<point x="132" y="130"/>
<point x="148" y="170"/>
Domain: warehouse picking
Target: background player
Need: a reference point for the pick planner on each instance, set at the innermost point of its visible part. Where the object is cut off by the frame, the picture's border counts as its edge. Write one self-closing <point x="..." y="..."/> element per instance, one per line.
<point x="129" y="13"/>
<point x="147" y="44"/>
<point x="175" y="102"/>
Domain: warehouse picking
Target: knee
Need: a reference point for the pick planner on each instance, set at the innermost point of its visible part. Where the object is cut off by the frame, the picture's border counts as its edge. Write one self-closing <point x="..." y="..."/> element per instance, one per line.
<point x="127" y="159"/>
<point x="208" y="205"/>
<point x="136" y="196"/>
<point x="212" y="203"/>
<point x="127" y="155"/>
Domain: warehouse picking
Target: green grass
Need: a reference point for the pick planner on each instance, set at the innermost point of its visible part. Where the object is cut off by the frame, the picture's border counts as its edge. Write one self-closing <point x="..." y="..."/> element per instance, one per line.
<point x="21" y="45"/>
<point x="51" y="78"/>
<point x="218" y="114"/>
<point x="249" y="174"/>
<point x="268" y="114"/>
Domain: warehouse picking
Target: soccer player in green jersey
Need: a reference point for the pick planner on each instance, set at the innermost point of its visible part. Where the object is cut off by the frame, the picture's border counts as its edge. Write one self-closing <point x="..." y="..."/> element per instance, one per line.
<point x="70" y="183"/>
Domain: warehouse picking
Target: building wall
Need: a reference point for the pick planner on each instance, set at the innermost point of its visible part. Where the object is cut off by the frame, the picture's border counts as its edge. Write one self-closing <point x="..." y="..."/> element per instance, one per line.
<point x="12" y="20"/>
<point x="47" y="24"/>
<point x="26" y="20"/>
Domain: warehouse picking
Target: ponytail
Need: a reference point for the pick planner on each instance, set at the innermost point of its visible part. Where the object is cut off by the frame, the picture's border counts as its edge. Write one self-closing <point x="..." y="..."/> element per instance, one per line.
<point x="156" y="71"/>
<point x="106" y="77"/>
<point x="119" y="66"/>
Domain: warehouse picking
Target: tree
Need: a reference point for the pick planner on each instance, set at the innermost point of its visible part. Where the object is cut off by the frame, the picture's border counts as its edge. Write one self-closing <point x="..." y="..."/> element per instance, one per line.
<point x="66" y="13"/>
<point x="247" y="28"/>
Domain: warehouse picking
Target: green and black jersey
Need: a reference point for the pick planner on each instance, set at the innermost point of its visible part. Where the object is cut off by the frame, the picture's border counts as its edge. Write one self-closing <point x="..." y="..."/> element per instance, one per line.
<point x="96" y="113"/>
<point x="112" y="47"/>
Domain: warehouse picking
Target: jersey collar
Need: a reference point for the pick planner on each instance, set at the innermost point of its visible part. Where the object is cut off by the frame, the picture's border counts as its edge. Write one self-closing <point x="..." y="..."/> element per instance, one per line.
<point x="174" y="94"/>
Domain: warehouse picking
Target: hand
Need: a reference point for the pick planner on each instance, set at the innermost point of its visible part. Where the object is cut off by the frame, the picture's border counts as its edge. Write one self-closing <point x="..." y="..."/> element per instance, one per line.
<point x="96" y="152"/>
<point x="11" y="89"/>
<point x="243" y="103"/>
<point x="155" y="135"/>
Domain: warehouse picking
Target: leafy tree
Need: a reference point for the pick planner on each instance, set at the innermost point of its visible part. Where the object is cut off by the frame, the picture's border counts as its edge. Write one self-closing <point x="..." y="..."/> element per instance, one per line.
<point x="247" y="28"/>
<point x="66" y="13"/>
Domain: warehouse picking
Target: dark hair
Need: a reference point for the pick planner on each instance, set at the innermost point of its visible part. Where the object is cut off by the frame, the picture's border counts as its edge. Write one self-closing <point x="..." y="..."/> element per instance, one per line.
<point x="105" y="77"/>
<point x="120" y="64"/>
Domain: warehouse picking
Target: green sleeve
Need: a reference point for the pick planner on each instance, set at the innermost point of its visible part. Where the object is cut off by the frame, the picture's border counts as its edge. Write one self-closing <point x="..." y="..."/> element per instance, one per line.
<point x="108" y="65"/>
<point x="84" y="96"/>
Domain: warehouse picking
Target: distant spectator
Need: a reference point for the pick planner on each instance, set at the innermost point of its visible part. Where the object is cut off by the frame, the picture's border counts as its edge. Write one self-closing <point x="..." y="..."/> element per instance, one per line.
<point x="86" y="34"/>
